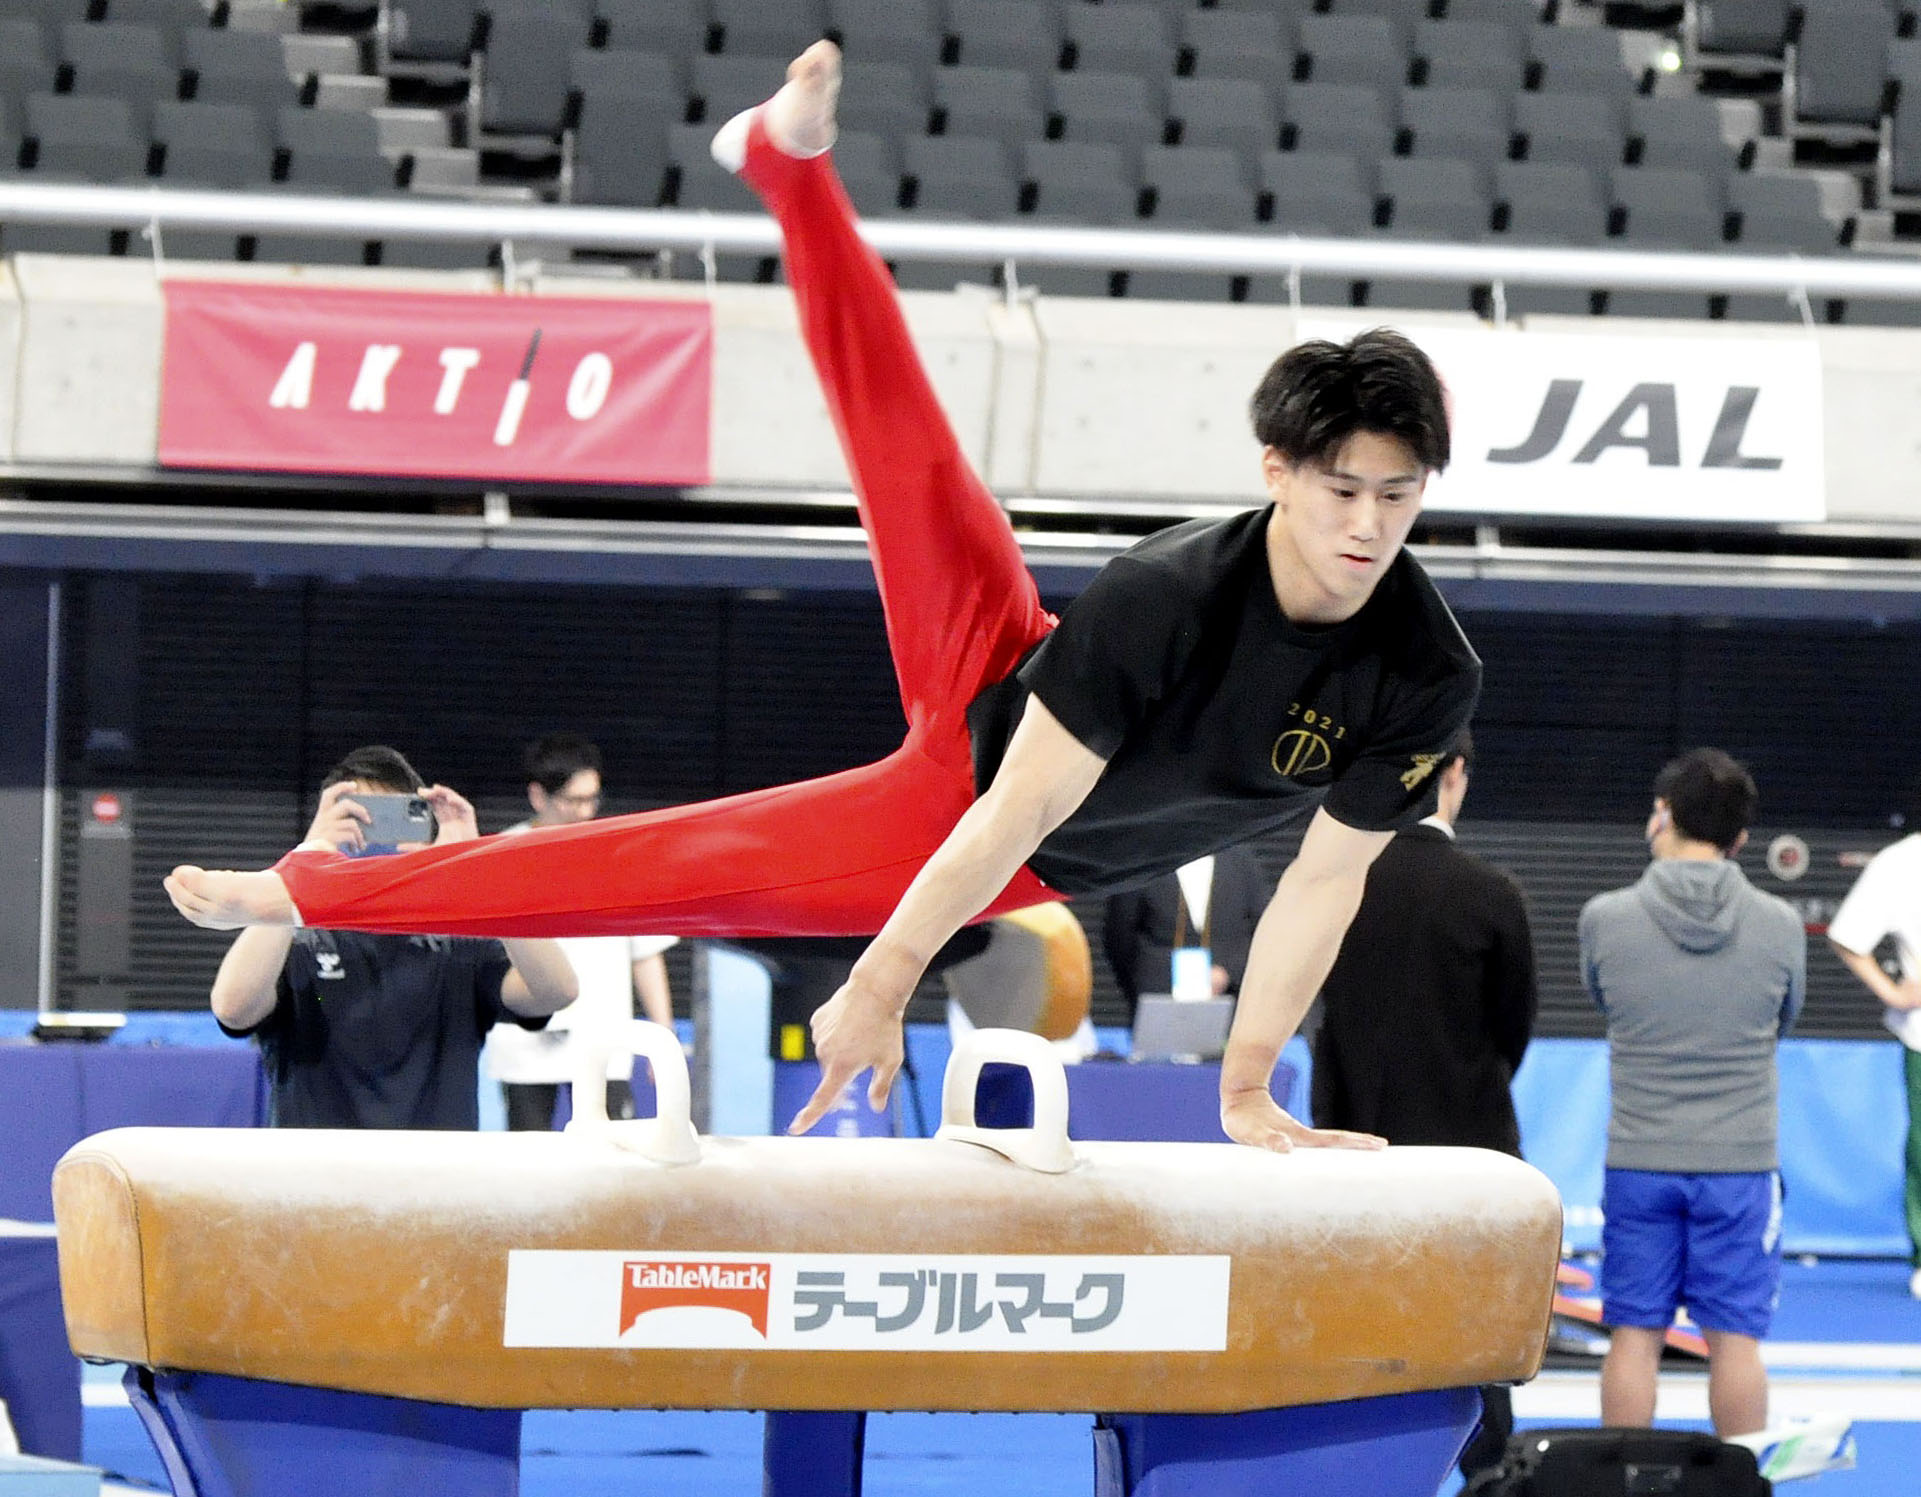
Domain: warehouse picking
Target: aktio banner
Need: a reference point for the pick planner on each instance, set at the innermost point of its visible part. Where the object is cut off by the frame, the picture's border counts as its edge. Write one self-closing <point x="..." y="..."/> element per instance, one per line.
<point x="418" y="384"/>
<point x="1623" y="426"/>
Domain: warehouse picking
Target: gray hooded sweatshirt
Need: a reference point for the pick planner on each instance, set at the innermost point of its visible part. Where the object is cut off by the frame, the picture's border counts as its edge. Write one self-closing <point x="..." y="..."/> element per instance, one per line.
<point x="1699" y="974"/>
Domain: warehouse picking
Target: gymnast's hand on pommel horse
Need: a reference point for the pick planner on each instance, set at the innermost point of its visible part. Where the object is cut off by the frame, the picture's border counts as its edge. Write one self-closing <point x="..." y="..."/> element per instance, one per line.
<point x="1220" y="680"/>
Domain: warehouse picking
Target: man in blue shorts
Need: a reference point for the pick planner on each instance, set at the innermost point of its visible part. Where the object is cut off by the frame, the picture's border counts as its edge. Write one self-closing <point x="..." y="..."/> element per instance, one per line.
<point x="1699" y="974"/>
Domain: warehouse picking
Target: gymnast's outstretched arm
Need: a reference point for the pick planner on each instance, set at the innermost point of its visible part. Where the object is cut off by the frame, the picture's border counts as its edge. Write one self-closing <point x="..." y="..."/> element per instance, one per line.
<point x="1046" y="774"/>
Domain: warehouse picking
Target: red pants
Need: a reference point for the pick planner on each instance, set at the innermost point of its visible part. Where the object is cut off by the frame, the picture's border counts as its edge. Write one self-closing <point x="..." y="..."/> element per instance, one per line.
<point x="824" y="857"/>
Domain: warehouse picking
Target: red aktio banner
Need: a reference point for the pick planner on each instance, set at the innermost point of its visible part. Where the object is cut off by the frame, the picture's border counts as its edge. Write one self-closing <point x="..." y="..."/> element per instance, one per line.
<point x="415" y="384"/>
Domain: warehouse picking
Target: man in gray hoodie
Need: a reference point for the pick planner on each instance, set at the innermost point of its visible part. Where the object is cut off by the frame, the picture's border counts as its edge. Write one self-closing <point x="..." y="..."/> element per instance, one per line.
<point x="1699" y="974"/>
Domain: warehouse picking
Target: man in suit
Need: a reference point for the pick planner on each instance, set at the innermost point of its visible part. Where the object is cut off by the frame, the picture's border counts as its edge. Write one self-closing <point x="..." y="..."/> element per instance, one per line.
<point x="1213" y="903"/>
<point x="1428" y="1010"/>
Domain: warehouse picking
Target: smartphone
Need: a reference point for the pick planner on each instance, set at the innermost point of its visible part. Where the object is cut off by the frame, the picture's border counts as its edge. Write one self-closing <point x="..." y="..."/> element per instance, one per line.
<point x="396" y="819"/>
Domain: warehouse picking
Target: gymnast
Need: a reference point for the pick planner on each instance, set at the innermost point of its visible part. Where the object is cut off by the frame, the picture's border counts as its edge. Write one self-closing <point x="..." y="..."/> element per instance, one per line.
<point x="1219" y="680"/>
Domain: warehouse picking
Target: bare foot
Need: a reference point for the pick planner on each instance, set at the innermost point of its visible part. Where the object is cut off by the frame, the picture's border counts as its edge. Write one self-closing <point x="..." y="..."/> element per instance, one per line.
<point x="228" y="901"/>
<point x="800" y="116"/>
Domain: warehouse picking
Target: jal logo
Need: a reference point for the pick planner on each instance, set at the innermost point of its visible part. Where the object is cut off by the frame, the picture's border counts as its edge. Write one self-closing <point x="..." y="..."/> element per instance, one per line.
<point x="647" y="1285"/>
<point x="1646" y="420"/>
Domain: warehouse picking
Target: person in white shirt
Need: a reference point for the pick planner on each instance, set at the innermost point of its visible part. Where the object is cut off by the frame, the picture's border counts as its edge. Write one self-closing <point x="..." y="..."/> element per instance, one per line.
<point x="563" y="788"/>
<point x="1885" y="903"/>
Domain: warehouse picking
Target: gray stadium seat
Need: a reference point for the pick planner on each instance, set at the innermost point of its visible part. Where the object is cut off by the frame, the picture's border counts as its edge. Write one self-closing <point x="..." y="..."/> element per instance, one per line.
<point x="760" y="29"/>
<point x="1549" y="203"/>
<point x="212" y="145"/>
<point x="1115" y="107"/>
<point x="1577" y="60"/>
<point x="1194" y="187"/>
<point x="168" y="15"/>
<point x="1004" y="103"/>
<point x="1755" y="28"/>
<point x="295" y="248"/>
<point x="333" y="149"/>
<point x="1468" y="123"/>
<point x="432" y="30"/>
<point x="644" y="78"/>
<point x="52" y="14"/>
<point x="1582" y="128"/>
<point x="727" y="85"/>
<point x="1682" y="132"/>
<point x="1776" y="213"/>
<point x="1083" y="182"/>
<point x="702" y="182"/>
<point x="1840" y="62"/>
<point x="869" y="168"/>
<point x="620" y="153"/>
<point x="1666" y="209"/>
<point x="1401" y="15"/>
<point x="902" y="31"/>
<point x="1433" y="197"/>
<point x="527" y="73"/>
<point x="673" y="28"/>
<point x="885" y="98"/>
<point x="1470" y="54"/>
<point x="26" y="65"/>
<point x="238" y="67"/>
<point x="1231" y="112"/>
<point x="135" y="63"/>
<point x="1341" y="117"/>
<point x="1904" y="136"/>
<point x="97" y="140"/>
<point x="1004" y="34"/>
<point x="1239" y="44"/>
<point x="1518" y="15"/>
<point x="960" y="176"/>
<point x="1119" y="38"/>
<point x="1317" y="193"/>
<point x="1352" y="49"/>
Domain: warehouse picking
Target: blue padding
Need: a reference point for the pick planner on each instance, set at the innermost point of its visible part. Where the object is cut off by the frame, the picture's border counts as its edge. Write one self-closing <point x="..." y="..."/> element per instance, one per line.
<point x="1399" y="1446"/>
<point x="812" y="1454"/>
<point x="1843" y="1117"/>
<point x="39" y="1379"/>
<point x="238" y="1437"/>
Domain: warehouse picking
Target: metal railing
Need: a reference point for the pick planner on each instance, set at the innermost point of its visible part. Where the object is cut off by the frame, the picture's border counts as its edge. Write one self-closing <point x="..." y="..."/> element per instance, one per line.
<point x="1271" y="252"/>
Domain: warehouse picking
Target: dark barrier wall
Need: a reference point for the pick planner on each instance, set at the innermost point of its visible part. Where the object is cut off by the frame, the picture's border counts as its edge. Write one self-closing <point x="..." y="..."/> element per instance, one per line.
<point x="23" y="718"/>
<point x="226" y="700"/>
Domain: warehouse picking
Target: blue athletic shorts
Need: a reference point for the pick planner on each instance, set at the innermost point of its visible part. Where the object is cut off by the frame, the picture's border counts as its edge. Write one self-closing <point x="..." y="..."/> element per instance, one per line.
<point x="1710" y="1242"/>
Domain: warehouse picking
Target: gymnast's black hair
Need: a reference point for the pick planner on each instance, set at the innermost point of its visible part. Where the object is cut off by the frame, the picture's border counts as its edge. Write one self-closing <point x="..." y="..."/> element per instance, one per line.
<point x="1318" y="395"/>
<point x="376" y="764"/>
<point x="1710" y="796"/>
<point x="556" y="758"/>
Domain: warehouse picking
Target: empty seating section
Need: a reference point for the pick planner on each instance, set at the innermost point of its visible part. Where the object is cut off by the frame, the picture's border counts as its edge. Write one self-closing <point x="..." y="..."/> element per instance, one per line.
<point x="1507" y="121"/>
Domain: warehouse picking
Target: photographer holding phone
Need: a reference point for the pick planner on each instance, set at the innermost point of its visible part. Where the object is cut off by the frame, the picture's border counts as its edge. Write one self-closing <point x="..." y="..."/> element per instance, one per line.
<point x="382" y="1031"/>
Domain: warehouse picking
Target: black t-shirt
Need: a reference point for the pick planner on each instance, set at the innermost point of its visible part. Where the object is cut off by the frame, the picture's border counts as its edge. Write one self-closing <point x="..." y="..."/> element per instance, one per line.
<point x="378" y="1031"/>
<point x="1219" y="718"/>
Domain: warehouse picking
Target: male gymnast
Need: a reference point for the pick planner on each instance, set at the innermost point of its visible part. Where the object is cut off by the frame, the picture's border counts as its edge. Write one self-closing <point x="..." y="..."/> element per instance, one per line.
<point x="1217" y="681"/>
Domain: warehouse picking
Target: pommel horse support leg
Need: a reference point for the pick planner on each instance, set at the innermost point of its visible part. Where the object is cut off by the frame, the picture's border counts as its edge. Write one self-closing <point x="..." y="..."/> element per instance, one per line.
<point x="312" y="1312"/>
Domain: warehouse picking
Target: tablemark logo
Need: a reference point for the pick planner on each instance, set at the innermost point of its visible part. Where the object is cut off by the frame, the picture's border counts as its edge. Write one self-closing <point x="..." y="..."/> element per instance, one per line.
<point x="648" y="1284"/>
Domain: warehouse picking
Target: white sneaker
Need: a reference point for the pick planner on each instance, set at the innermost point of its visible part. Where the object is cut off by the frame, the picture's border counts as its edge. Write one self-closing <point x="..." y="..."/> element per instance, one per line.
<point x="1808" y="1446"/>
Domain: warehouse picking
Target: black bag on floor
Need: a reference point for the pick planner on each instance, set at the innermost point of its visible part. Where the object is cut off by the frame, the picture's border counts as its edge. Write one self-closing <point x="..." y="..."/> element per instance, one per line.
<point x="1588" y="1462"/>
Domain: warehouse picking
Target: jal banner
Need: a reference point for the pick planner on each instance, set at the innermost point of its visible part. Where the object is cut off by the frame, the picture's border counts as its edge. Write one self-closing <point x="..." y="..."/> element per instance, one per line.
<point x="1622" y="426"/>
<point x="416" y="384"/>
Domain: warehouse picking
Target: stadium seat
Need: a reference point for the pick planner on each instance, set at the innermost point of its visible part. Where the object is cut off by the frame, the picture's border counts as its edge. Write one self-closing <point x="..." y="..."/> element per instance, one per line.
<point x="901" y="31"/>
<point x="1682" y="132"/>
<point x="1516" y="15"/>
<point x="92" y="139"/>
<point x="701" y="181"/>
<point x="212" y="145"/>
<point x="1904" y="135"/>
<point x="1119" y="38"/>
<point x="1554" y="203"/>
<point x="333" y="149"/>
<point x="644" y="78"/>
<point x="1317" y="194"/>
<point x="1757" y="28"/>
<point x="1666" y="209"/>
<point x="1003" y="103"/>
<point x="1400" y="15"/>
<point x="885" y="98"/>
<point x="1435" y="197"/>
<point x="727" y="85"/>
<point x="26" y="66"/>
<point x="1585" y="129"/>
<point x="1198" y="187"/>
<point x="620" y="153"/>
<point x="1004" y="34"/>
<point x="1351" y="49"/>
<point x="134" y="63"/>
<point x="1232" y="112"/>
<point x="759" y="29"/>
<point x="238" y="67"/>
<point x="1119" y="108"/>
<point x="869" y="168"/>
<point x="1840" y="62"/>
<point x="960" y="176"/>
<point x="1341" y="117"/>
<point x="673" y="28"/>
<point x="167" y="15"/>
<point x="432" y="30"/>
<point x="52" y="14"/>
<point x="1577" y="60"/>
<point x="1081" y="182"/>
<point x="295" y="248"/>
<point x="1256" y="46"/>
<point x="1776" y="213"/>
<point x="1470" y="54"/>
<point x="527" y="71"/>
<point x="1469" y="123"/>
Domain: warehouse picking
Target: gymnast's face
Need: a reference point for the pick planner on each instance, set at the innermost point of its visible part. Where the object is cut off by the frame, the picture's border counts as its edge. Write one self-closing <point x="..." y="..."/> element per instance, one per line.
<point x="577" y="800"/>
<point x="1338" y="526"/>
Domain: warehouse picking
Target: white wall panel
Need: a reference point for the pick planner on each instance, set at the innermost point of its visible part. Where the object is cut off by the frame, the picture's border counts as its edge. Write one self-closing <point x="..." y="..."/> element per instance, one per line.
<point x="89" y="368"/>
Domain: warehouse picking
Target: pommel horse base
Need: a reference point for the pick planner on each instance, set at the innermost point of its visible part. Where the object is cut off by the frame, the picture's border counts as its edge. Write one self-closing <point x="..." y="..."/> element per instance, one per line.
<point x="311" y="1312"/>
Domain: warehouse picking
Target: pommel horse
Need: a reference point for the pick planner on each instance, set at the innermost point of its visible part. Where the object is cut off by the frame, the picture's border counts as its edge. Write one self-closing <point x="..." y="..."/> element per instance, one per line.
<point x="309" y="1312"/>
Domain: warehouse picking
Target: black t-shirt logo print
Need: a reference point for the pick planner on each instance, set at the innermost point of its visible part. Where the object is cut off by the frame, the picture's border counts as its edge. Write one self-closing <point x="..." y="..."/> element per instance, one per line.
<point x="1300" y="751"/>
<point x="1423" y="767"/>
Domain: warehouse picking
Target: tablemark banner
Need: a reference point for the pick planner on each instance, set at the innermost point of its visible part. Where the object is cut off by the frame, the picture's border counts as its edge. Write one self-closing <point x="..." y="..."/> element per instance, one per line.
<point x="416" y="384"/>
<point x="1625" y="427"/>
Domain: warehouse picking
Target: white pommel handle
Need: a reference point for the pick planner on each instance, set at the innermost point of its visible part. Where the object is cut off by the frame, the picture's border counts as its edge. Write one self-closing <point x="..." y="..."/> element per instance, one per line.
<point x="1043" y="1147"/>
<point x="668" y="1137"/>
